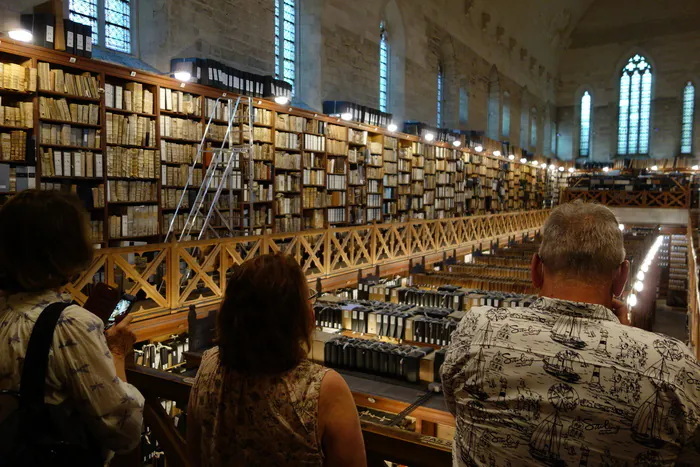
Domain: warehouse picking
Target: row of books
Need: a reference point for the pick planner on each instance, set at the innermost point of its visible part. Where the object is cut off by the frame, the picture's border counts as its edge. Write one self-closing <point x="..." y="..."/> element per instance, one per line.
<point x="58" y="80"/>
<point x="13" y="146"/>
<point x="170" y="197"/>
<point x="178" y="153"/>
<point x="21" y="114"/>
<point x="177" y="176"/>
<point x="60" y="109"/>
<point x="132" y="162"/>
<point x="288" y="161"/>
<point x="131" y="130"/>
<point x="131" y="97"/>
<point x="286" y="206"/>
<point x="287" y="183"/>
<point x="96" y="231"/>
<point x="15" y="179"/>
<point x="67" y="135"/>
<point x="180" y="102"/>
<point x="122" y="191"/>
<point x="287" y="140"/>
<point x="74" y="163"/>
<point x="337" y="147"/>
<point x="181" y="128"/>
<point x="290" y="123"/>
<point x="139" y="221"/>
<point x="16" y="77"/>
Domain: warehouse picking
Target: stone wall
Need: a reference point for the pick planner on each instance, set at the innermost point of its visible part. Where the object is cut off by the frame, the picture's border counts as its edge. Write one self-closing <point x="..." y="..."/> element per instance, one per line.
<point x="338" y="59"/>
<point x="608" y="35"/>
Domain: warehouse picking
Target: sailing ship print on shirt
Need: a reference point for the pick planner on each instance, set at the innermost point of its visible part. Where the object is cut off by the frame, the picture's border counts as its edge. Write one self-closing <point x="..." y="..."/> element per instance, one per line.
<point x="577" y="388"/>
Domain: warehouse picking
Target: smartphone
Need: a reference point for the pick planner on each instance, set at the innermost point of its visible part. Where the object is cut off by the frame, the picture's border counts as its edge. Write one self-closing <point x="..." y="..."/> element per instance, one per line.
<point x="121" y="310"/>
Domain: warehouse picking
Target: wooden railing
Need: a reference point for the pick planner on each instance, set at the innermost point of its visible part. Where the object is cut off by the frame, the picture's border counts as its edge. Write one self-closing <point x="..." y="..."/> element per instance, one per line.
<point x="174" y="275"/>
<point x="381" y="442"/>
<point x="677" y="199"/>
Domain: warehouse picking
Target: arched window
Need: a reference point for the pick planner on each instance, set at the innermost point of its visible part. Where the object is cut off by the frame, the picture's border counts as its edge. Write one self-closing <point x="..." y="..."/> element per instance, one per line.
<point x="688" y="117"/>
<point x="440" y="93"/>
<point x="533" y="127"/>
<point x="383" y="68"/>
<point x="506" y="114"/>
<point x="585" y="143"/>
<point x="285" y="40"/>
<point x="464" y="102"/>
<point x="635" y="107"/>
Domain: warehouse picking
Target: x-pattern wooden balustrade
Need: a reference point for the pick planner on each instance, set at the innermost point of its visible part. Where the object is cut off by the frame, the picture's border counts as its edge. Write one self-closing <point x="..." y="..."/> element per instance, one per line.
<point x="678" y="198"/>
<point x="175" y="275"/>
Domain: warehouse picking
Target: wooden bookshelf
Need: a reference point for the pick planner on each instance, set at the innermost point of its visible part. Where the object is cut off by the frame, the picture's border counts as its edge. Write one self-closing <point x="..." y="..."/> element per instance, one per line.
<point x="387" y="176"/>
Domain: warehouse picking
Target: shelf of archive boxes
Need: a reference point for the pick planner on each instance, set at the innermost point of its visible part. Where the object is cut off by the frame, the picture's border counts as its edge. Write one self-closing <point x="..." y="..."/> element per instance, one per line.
<point x="89" y="65"/>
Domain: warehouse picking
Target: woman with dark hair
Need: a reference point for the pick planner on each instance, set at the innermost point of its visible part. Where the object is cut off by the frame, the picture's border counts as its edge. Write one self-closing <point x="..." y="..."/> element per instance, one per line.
<point x="44" y="243"/>
<point x="257" y="399"/>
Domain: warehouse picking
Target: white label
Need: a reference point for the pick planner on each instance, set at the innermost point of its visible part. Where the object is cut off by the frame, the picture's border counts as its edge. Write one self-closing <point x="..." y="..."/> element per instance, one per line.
<point x="69" y="39"/>
<point x="88" y="43"/>
<point x="49" y="33"/>
<point x="80" y="42"/>
<point x="393" y="320"/>
<point x="354" y="314"/>
<point x="346" y="314"/>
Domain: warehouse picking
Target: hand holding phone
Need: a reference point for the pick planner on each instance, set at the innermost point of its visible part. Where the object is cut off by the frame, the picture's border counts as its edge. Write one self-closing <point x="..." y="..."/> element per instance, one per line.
<point x="120" y="311"/>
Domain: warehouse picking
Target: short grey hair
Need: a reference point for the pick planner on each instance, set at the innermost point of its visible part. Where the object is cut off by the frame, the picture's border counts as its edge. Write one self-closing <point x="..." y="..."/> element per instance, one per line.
<point x="582" y="241"/>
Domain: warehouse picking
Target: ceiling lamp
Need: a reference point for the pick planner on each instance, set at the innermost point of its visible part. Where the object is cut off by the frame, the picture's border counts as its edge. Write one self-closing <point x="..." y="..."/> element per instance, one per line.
<point x="479" y="148"/>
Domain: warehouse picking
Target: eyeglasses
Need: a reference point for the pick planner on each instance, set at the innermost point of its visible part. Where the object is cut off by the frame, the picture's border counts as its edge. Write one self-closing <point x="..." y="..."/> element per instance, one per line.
<point x="313" y="295"/>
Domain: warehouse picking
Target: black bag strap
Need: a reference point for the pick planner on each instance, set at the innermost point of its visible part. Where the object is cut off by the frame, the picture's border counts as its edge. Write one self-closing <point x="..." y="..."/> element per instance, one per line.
<point x="36" y="362"/>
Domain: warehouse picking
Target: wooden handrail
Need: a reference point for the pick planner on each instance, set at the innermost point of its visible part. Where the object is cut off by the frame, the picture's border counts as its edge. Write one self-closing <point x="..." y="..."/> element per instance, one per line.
<point x="381" y="442"/>
<point x="323" y="254"/>
<point x="677" y="199"/>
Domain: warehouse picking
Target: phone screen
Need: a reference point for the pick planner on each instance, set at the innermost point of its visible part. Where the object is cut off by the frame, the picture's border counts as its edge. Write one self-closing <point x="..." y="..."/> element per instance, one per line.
<point x="121" y="309"/>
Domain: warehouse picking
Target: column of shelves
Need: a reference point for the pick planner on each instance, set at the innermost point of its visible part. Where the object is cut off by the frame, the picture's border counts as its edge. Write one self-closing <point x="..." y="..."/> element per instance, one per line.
<point x="18" y="121"/>
<point x="405" y="168"/>
<point x="417" y="181"/>
<point x="375" y="177"/>
<point x="473" y="190"/>
<point x="460" y="183"/>
<point x="391" y="179"/>
<point x="445" y="179"/>
<point x="258" y="212"/>
<point x="338" y="172"/>
<point x="429" y="180"/>
<point x="69" y="121"/>
<point x="357" y="176"/>
<point x="180" y="132"/>
<point x="132" y="161"/>
<point x="289" y="144"/>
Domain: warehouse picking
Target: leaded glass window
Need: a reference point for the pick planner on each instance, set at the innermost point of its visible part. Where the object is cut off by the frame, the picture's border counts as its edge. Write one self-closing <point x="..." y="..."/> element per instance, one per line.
<point x="585" y="143"/>
<point x="85" y="12"/>
<point x="533" y="127"/>
<point x="635" y="107"/>
<point x="285" y="40"/>
<point x="464" y="102"/>
<point x="688" y="117"/>
<point x="440" y="96"/>
<point x="506" y="114"/>
<point x="383" y="69"/>
<point x="110" y="19"/>
<point x="117" y="24"/>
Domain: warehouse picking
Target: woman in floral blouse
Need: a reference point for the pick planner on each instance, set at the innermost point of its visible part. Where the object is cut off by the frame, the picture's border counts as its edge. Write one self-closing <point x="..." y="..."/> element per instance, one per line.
<point x="44" y="242"/>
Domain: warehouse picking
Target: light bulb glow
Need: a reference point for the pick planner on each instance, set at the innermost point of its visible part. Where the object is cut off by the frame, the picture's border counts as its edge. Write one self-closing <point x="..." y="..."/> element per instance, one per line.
<point x="695" y="167"/>
<point x="523" y="161"/>
<point x="640" y="276"/>
<point x="571" y="170"/>
<point x="511" y="157"/>
<point x="561" y="169"/>
<point x="622" y="227"/>
<point x="645" y="268"/>
<point x="429" y="136"/>
<point x="392" y="127"/>
<point x="456" y="143"/>
<point x="497" y="153"/>
<point x="347" y="116"/>
<point x="479" y="148"/>
<point x="282" y="100"/>
<point x="638" y="286"/>
<point x="552" y="166"/>
<point x="605" y="169"/>
<point x="654" y="167"/>
<point x="183" y="76"/>
<point x="632" y="300"/>
<point x="22" y="35"/>
<point x="534" y="162"/>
